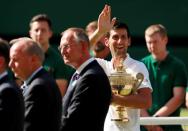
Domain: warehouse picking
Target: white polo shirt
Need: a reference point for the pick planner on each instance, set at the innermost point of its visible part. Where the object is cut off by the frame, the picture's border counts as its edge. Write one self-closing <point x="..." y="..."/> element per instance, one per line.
<point x="132" y="66"/>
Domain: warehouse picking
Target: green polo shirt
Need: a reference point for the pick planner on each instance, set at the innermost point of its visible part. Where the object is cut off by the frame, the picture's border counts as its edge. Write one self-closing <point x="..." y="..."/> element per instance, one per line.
<point x="54" y="64"/>
<point x="164" y="76"/>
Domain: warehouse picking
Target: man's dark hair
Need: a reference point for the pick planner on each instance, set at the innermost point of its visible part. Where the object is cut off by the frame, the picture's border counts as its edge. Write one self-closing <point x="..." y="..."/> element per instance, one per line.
<point x="120" y="25"/>
<point x="4" y="50"/>
<point x="41" y="17"/>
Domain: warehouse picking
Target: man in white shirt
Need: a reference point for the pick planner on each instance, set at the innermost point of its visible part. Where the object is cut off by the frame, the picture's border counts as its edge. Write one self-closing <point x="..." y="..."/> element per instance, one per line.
<point x="118" y="40"/>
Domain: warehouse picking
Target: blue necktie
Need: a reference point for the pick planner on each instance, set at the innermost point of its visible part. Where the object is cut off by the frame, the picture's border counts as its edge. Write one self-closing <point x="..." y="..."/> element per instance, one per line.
<point x="75" y="77"/>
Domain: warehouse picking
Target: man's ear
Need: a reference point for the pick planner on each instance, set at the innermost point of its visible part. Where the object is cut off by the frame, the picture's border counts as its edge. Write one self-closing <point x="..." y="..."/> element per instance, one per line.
<point x="106" y="42"/>
<point x="84" y="46"/>
<point x="165" y="40"/>
<point x="50" y="34"/>
<point x="129" y="41"/>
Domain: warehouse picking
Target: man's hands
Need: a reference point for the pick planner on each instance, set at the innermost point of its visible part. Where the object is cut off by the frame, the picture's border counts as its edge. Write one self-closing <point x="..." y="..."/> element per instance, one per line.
<point x="104" y="25"/>
<point x="104" y="20"/>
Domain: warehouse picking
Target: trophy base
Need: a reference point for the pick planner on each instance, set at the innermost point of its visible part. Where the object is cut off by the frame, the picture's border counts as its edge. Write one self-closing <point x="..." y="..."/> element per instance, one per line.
<point x="120" y="119"/>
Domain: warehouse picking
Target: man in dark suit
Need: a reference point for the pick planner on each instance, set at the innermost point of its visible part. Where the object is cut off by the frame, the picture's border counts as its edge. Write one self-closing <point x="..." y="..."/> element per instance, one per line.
<point x="87" y="99"/>
<point x="41" y="93"/>
<point x="11" y="99"/>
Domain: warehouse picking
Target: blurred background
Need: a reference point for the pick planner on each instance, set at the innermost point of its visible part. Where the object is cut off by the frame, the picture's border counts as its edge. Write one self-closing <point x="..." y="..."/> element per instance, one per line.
<point x="138" y="14"/>
<point x="15" y="16"/>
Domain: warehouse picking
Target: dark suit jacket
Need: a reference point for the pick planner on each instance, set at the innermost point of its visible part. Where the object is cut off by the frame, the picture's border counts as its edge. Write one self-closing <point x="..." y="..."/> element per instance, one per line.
<point x="43" y="103"/>
<point x="11" y="106"/>
<point x="86" y="103"/>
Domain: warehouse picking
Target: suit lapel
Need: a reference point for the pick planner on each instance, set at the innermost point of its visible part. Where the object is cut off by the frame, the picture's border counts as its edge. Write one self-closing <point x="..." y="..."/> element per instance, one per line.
<point x="68" y="96"/>
<point x="69" y="93"/>
<point x="87" y="67"/>
<point x="4" y="79"/>
<point x="38" y="74"/>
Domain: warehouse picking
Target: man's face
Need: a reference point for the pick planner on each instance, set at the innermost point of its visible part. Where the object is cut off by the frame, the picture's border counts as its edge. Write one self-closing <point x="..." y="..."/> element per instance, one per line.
<point x="20" y="62"/>
<point x="40" y="32"/>
<point x="118" y="42"/>
<point x="156" y="43"/>
<point x="70" y="50"/>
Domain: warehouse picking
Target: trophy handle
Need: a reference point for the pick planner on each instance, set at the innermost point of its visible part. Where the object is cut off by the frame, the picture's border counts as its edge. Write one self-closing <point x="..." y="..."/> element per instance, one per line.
<point x="139" y="79"/>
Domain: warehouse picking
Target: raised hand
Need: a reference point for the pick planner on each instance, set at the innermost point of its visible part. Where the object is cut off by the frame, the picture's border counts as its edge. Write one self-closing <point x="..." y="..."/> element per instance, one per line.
<point x="104" y="20"/>
<point x="104" y="25"/>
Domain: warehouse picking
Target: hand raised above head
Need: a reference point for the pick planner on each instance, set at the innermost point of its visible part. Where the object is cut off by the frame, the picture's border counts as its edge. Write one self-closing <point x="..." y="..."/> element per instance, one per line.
<point x="104" y="20"/>
<point x="104" y="25"/>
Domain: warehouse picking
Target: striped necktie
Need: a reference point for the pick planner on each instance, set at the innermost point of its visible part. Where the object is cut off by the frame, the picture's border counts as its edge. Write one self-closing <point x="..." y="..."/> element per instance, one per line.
<point x="75" y="77"/>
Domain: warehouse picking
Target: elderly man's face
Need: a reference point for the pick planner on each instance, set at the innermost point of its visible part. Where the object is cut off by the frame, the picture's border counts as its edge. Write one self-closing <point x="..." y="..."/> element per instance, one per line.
<point x="71" y="50"/>
<point x="20" y="62"/>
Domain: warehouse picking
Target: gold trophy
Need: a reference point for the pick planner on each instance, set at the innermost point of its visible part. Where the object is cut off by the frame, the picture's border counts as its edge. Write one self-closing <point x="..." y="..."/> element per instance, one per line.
<point x="123" y="83"/>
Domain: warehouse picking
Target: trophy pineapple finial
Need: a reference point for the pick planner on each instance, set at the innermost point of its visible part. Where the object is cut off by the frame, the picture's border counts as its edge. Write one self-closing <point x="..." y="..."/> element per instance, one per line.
<point x="120" y="66"/>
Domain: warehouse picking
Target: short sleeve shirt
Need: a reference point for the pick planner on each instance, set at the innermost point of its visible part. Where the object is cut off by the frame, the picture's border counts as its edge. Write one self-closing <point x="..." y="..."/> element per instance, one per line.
<point x="164" y="76"/>
<point x="132" y="66"/>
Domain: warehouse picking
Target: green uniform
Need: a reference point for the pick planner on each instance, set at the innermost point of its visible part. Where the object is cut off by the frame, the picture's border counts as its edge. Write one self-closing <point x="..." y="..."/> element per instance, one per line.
<point x="54" y="64"/>
<point x="164" y="76"/>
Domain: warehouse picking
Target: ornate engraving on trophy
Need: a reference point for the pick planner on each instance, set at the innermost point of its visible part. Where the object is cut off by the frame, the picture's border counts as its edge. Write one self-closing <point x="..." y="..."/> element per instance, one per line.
<point x="123" y="83"/>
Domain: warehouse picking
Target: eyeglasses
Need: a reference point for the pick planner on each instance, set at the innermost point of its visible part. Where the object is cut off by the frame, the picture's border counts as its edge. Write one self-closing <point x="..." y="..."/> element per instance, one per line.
<point x="66" y="46"/>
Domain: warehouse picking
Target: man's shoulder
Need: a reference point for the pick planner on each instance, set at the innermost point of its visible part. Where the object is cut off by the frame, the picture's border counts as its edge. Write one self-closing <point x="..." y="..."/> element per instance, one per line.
<point x="146" y="58"/>
<point x="176" y="60"/>
<point x="94" y="67"/>
<point x="42" y="77"/>
<point x="9" y="86"/>
<point x="6" y="85"/>
<point x="44" y="84"/>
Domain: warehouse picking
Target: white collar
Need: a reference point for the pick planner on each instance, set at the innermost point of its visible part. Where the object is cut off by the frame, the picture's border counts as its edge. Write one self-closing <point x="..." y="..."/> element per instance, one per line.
<point x="3" y="74"/>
